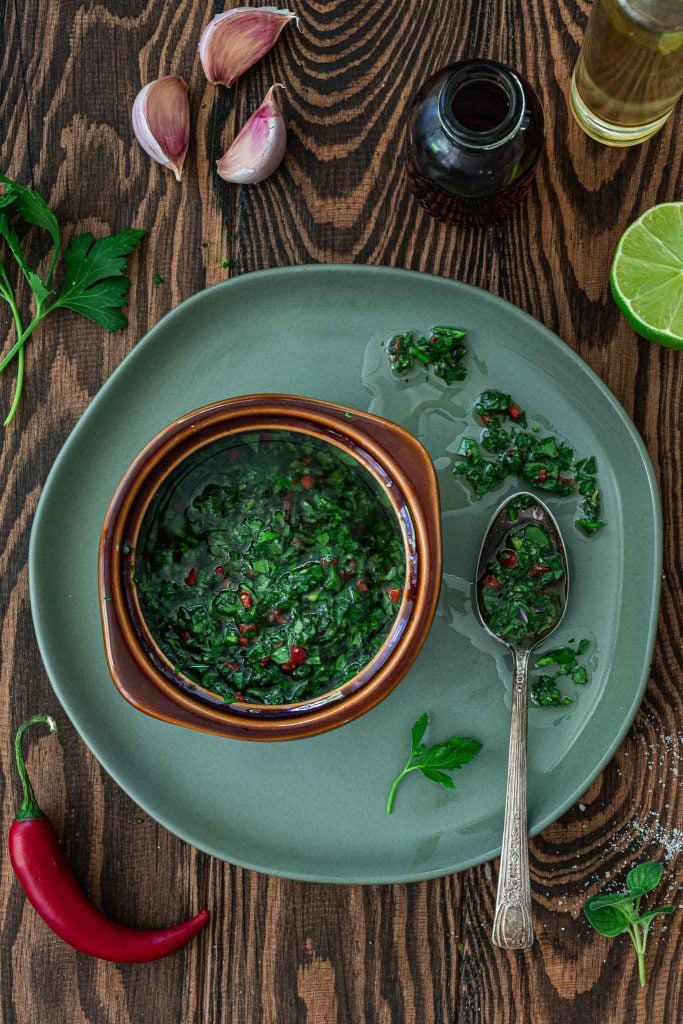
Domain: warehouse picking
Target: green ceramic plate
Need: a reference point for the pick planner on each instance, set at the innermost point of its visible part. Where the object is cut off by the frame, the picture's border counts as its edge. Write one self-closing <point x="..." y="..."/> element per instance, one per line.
<point x="314" y="809"/>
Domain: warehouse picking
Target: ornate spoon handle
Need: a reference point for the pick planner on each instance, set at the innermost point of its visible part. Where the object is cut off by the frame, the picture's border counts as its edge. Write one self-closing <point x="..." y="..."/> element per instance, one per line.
<point x="512" y="925"/>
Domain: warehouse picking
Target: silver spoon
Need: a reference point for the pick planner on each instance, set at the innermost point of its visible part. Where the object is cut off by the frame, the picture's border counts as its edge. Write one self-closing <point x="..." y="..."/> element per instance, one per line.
<point x="512" y="925"/>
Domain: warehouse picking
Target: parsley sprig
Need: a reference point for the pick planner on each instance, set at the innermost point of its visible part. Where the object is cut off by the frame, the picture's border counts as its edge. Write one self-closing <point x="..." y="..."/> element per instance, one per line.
<point x="94" y="282"/>
<point x="434" y="761"/>
<point x="615" y="913"/>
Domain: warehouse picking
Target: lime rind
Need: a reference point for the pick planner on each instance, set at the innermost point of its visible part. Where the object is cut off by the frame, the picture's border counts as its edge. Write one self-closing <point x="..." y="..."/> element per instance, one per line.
<point x="646" y="276"/>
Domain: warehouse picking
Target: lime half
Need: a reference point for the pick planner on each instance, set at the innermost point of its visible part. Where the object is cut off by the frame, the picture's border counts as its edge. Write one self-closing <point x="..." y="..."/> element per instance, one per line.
<point x="647" y="274"/>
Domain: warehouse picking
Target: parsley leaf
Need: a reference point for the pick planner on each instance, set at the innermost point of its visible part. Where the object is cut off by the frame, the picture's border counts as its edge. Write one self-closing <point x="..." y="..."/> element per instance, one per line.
<point x="434" y="761"/>
<point x="95" y="285"/>
<point x="616" y="913"/>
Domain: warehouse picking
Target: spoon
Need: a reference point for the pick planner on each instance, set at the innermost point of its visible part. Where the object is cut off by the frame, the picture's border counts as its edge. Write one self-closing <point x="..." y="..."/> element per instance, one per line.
<point x="512" y="925"/>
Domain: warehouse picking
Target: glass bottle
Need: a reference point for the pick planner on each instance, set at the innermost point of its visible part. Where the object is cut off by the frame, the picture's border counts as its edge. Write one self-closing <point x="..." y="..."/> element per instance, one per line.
<point x="629" y="74"/>
<point x="475" y="133"/>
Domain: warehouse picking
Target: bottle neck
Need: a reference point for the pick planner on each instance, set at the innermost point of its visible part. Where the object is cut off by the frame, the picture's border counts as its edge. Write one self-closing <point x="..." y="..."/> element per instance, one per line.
<point x="481" y="106"/>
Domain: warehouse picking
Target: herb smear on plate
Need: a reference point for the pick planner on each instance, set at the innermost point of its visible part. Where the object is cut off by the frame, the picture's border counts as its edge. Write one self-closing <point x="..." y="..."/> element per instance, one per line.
<point x="442" y="348"/>
<point x="617" y="913"/>
<point x="434" y="761"/>
<point x="270" y="568"/>
<point x="94" y="282"/>
<point x="545" y="461"/>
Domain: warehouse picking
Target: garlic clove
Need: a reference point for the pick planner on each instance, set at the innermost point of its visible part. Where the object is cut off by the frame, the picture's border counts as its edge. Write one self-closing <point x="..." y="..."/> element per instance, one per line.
<point x="259" y="147"/>
<point x="161" y="121"/>
<point x="235" y="40"/>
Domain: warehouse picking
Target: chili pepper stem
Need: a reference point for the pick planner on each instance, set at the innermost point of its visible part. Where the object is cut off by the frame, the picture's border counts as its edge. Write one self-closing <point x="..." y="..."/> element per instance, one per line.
<point x="29" y="808"/>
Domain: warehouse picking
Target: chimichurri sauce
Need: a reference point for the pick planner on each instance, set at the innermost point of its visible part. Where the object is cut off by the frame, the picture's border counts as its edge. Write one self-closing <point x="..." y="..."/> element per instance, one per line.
<point x="270" y="569"/>
<point x="519" y="588"/>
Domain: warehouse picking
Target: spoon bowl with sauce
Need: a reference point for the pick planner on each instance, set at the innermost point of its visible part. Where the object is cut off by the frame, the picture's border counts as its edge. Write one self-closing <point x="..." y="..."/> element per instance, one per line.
<point x="521" y="597"/>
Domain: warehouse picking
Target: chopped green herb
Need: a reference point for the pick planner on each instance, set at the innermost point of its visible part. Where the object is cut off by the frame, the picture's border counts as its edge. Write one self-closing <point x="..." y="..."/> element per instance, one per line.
<point x="271" y="570"/>
<point x="442" y="348"/>
<point x="228" y="263"/>
<point x="434" y="761"/>
<point x="544" y="689"/>
<point x="158" y="279"/>
<point x="545" y="461"/>
<point x="517" y="591"/>
<point x="205" y="245"/>
<point x="619" y="913"/>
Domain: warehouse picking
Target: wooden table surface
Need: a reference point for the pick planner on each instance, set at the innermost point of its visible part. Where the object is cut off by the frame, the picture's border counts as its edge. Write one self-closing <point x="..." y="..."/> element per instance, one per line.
<point x="280" y="952"/>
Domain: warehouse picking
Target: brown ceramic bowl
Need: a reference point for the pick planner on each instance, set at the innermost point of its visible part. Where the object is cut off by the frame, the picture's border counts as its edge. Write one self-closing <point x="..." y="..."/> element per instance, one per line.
<point x="403" y="470"/>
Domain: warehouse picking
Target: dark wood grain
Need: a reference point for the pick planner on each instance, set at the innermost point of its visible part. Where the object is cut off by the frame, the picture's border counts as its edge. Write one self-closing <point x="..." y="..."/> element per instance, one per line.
<point x="280" y="952"/>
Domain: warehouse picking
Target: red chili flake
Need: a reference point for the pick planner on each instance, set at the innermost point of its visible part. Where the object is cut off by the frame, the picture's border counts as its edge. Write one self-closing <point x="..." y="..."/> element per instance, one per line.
<point x="276" y="617"/>
<point x="362" y="586"/>
<point x="352" y="564"/>
<point x="245" y="599"/>
<point x="307" y="481"/>
<point x="191" y="578"/>
<point x="335" y="560"/>
<point x="308" y="459"/>
<point x="239" y="695"/>
<point x="346" y="576"/>
<point x="298" y="542"/>
<point x="567" y="480"/>
<point x="433" y="339"/>
<point x="220" y="570"/>
<point x="227" y="582"/>
<point x="514" y="412"/>
<point x="492" y="581"/>
<point x="297" y="655"/>
<point x="234" y="454"/>
<point x="287" y="666"/>
<point x="542" y="476"/>
<point x="264" y="661"/>
<point x="185" y="636"/>
<point x="247" y="627"/>
<point x="233" y="665"/>
<point x="538" y="570"/>
<point x="287" y="505"/>
<point x="243" y="641"/>
<point x="395" y="595"/>
<point x="507" y="559"/>
<point x="485" y="419"/>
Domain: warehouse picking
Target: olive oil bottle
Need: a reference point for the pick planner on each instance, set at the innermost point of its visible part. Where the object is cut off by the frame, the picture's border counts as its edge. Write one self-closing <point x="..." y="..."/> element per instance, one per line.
<point x="630" y="70"/>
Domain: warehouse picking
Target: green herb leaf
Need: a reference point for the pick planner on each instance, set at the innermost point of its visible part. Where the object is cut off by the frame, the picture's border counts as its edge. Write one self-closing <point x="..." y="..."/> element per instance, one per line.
<point x="95" y="285"/>
<point x="436" y="761"/>
<point x="644" y="878"/>
<point x="613" y="914"/>
<point x="417" y="733"/>
<point x="32" y="207"/>
<point x="607" y="918"/>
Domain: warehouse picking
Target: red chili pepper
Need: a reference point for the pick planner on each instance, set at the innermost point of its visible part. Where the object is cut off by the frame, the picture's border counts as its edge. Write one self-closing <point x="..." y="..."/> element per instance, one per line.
<point x="485" y="419"/>
<point x="492" y="581"/>
<point x="243" y="641"/>
<point x="47" y="880"/>
<point x="307" y="481"/>
<point x="542" y="476"/>
<point x="239" y="695"/>
<point x="395" y="595"/>
<point x="233" y="665"/>
<point x="538" y="570"/>
<point x="362" y="586"/>
<point x="508" y="559"/>
<point x="297" y="655"/>
<point x="514" y="412"/>
<point x="346" y="576"/>
<point x="245" y="599"/>
<point x="247" y="627"/>
<point x="265" y="660"/>
<point x="191" y="578"/>
<point x="220" y="570"/>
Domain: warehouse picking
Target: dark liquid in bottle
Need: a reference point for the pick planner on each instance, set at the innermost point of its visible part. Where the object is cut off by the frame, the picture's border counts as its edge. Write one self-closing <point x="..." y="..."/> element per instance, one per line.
<point x="475" y="134"/>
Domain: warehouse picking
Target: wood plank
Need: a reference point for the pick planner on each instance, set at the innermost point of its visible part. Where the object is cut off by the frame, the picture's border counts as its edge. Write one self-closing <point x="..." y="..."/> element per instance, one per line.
<point x="280" y="951"/>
